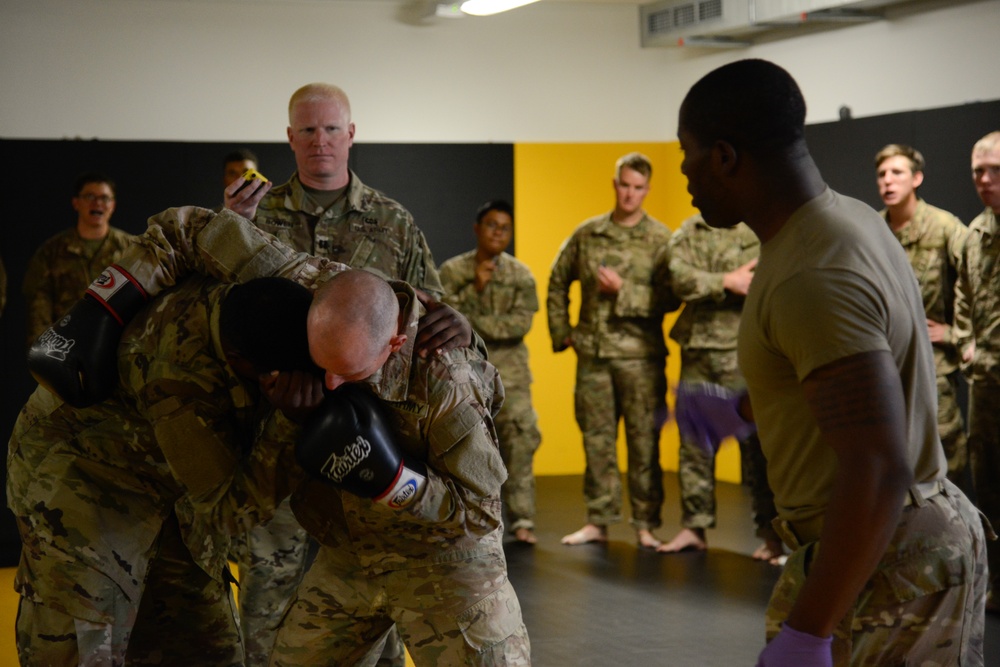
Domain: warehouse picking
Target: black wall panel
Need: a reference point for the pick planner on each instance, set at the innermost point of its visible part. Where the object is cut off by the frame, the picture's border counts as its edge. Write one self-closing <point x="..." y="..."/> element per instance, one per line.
<point x="845" y="152"/>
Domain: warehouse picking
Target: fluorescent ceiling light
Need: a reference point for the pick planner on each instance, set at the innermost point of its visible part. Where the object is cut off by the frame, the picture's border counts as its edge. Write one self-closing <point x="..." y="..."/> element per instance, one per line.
<point x="487" y="7"/>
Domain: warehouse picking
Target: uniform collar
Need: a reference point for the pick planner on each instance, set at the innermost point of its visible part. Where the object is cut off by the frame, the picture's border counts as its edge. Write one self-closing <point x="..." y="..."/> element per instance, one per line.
<point x="392" y="381"/>
<point x="356" y="195"/>
<point x="608" y="226"/>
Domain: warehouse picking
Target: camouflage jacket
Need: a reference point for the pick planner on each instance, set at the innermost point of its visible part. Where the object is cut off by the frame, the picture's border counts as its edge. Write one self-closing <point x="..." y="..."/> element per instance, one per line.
<point x="182" y="434"/>
<point x="364" y="229"/>
<point x="501" y="313"/>
<point x="179" y="242"/>
<point x="59" y="273"/>
<point x="442" y="412"/>
<point x="934" y="241"/>
<point x="977" y="299"/>
<point x="700" y="256"/>
<point x="625" y="325"/>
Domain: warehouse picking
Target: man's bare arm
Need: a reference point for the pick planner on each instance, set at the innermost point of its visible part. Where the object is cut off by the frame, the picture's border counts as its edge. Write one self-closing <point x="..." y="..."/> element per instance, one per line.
<point x="859" y="406"/>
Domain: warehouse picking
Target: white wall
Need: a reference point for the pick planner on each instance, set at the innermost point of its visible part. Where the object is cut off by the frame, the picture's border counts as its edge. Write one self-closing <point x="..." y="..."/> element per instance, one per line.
<point x="223" y="69"/>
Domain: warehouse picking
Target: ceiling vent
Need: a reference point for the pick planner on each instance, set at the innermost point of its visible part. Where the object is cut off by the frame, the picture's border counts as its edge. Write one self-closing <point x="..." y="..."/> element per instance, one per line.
<point x="740" y="23"/>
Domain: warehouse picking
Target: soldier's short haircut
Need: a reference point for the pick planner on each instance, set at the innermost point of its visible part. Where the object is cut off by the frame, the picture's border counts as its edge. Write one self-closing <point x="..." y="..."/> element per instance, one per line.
<point x="916" y="159"/>
<point x="88" y="177"/>
<point x="987" y="143"/>
<point x="264" y="320"/>
<point x="636" y="162"/>
<point x="494" y="205"/>
<point x="752" y="104"/>
<point x="241" y="155"/>
<point x="314" y="92"/>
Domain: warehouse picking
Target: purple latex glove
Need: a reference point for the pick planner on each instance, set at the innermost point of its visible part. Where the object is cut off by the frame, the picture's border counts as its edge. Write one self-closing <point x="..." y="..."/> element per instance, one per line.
<point x="791" y="648"/>
<point x="709" y="413"/>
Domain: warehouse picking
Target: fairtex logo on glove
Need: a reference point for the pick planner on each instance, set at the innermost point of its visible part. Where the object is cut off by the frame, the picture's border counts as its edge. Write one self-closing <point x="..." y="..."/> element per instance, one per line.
<point x="404" y="490"/>
<point x="338" y="468"/>
<point x="55" y="345"/>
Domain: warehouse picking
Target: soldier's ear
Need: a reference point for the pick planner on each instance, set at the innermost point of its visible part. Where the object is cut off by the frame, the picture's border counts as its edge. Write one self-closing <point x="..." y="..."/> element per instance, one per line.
<point x="396" y="342"/>
<point x="724" y="156"/>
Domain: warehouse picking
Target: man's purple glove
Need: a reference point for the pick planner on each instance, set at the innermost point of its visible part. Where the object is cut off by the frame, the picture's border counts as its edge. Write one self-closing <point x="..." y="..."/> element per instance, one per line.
<point x="791" y="648"/>
<point x="709" y="413"/>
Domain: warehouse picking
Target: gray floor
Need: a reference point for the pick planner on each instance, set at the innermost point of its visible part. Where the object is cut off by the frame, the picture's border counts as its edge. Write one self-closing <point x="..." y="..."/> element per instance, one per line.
<point x="616" y="605"/>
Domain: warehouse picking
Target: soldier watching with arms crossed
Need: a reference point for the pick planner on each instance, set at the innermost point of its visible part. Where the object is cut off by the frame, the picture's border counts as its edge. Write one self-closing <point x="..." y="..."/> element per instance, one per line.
<point x="497" y="293"/>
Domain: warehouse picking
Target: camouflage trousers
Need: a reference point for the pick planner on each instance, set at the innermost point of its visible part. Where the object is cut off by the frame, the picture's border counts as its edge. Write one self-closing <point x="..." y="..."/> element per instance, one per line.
<point x="633" y="390"/>
<point x="456" y="613"/>
<point x="984" y="450"/>
<point x="517" y="430"/>
<point x="272" y="563"/>
<point x="951" y="428"/>
<point x="924" y="605"/>
<point x="696" y="467"/>
<point x="185" y="617"/>
<point x="48" y="637"/>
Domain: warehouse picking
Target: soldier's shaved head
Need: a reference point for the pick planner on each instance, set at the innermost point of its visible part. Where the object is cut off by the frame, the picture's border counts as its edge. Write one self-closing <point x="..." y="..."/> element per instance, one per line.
<point x="352" y="325"/>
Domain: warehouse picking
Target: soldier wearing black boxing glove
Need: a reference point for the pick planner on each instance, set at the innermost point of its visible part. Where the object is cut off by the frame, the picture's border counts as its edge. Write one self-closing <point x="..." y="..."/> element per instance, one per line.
<point x="77" y="357"/>
<point x="348" y="443"/>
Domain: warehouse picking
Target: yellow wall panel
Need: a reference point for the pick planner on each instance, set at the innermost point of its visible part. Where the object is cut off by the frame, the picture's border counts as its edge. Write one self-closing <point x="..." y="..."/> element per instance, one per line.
<point x="556" y="187"/>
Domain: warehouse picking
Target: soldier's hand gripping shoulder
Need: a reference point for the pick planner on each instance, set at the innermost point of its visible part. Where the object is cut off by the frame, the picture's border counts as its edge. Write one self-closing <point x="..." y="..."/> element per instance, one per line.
<point x="442" y="328"/>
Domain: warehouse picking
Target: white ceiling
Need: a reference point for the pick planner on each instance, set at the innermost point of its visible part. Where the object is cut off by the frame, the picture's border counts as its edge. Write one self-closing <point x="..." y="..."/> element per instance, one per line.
<point x="601" y="2"/>
<point x="401" y="2"/>
<point x="597" y="2"/>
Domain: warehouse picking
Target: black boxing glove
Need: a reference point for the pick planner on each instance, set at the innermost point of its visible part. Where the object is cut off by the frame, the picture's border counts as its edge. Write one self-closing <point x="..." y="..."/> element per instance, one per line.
<point x="347" y="442"/>
<point x="77" y="357"/>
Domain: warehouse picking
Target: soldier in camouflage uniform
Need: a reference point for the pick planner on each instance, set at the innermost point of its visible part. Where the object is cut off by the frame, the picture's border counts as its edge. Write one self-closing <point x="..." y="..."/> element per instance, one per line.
<point x="888" y="562"/>
<point x="435" y="567"/>
<point x="324" y="210"/>
<point x="977" y="306"/>
<point x="620" y="260"/>
<point x="710" y="271"/>
<point x="497" y="293"/>
<point x="136" y="498"/>
<point x="64" y="265"/>
<point x="934" y="241"/>
<point x="226" y="246"/>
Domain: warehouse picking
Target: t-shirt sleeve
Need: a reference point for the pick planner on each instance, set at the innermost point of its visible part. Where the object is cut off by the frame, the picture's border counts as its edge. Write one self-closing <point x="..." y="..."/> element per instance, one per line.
<point x="822" y="315"/>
